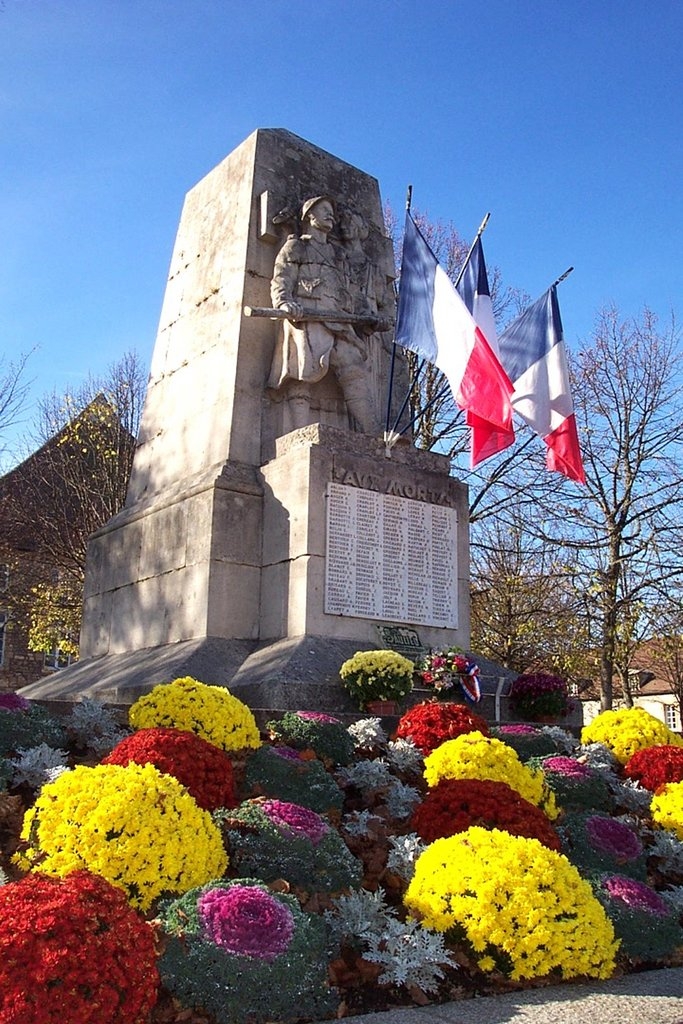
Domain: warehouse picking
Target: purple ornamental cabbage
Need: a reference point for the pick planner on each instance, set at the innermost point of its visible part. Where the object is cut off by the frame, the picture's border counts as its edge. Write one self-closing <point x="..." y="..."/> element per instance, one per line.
<point x="245" y="920"/>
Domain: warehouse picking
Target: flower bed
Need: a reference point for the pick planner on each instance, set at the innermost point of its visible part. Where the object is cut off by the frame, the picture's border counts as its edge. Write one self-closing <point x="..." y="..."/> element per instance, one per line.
<point x="413" y="878"/>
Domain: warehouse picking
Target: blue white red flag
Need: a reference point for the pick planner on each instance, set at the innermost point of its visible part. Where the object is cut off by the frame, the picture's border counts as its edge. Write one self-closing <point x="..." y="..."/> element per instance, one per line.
<point x="473" y="287"/>
<point x="433" y="321"/>
<point x="533" y="352"/>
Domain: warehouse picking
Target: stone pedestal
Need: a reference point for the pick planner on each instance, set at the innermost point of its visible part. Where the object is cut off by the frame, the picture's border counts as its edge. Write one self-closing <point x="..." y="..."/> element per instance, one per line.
<point x="218" y="565"/>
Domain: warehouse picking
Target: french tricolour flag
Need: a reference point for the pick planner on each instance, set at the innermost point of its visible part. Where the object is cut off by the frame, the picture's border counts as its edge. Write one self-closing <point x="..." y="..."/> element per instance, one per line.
<point x="473" y="287"/>
<point x="474" y="291"/>
<point x="433" y="321"/>
<point x="533" y="353"/>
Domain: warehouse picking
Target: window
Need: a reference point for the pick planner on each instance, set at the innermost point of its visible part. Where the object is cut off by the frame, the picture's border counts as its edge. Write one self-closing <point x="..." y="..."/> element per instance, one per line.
<point x="3" y="623"/>
<point x="671" y="717"/>
<point x="56" y="659"/>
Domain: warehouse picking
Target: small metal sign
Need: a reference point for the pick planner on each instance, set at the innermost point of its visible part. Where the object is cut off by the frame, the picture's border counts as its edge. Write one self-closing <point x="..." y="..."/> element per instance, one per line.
<point x="403" y="640"/>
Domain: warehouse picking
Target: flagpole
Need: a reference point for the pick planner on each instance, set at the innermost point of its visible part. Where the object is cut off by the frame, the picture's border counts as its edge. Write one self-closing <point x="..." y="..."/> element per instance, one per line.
<point x="562" y="277"/>
<point x="480" y="232"/>
<point x="389" y="434"/>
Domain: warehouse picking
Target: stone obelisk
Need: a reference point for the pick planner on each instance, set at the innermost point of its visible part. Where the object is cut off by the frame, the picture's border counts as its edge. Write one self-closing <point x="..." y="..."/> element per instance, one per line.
<point x="268" y="529"/>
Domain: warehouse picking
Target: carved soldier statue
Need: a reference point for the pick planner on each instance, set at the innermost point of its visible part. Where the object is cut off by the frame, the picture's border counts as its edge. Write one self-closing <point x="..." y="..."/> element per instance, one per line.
<point x="311" y="281"/>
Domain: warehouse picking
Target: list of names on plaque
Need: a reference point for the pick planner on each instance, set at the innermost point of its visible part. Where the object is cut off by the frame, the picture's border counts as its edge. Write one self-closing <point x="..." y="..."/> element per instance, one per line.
<point x="390" y="558"/>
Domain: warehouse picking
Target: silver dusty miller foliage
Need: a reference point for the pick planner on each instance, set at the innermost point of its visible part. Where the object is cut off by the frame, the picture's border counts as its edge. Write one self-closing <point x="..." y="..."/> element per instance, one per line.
<point x="359" y="823"/>
<point x="94" y="727"/>
<point x="368" y="776"/>
<point x="358" y="916"/>
<point x="563" y="740"/>
<point x="34" y="766"/>
<point x="401" y="800"/>
<point x="597" y="755"/>
<point x="408" y="953"/>
<point x="404" y="757"/>
<point x="403" y="854"/>
<point x="367" y="734"/>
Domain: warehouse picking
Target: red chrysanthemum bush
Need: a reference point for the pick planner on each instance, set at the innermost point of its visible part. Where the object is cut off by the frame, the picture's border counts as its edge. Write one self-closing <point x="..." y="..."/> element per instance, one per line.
<point x="204" y="769"/>
<point x="453" y="805"/>
<point x="656" y="766"/>
<point x="431" y="723"/>
<point x="72" y="951"/>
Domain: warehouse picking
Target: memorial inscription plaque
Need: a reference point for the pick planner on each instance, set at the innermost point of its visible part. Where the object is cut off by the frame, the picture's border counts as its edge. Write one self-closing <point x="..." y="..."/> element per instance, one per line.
<point x="390" y="558"/>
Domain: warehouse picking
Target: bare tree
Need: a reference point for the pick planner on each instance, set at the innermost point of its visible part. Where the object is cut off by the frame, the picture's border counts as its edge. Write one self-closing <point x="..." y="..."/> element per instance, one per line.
<point x="525" y="612"/>
<point x="13" y="389"/>
<point x="625" y="527"/>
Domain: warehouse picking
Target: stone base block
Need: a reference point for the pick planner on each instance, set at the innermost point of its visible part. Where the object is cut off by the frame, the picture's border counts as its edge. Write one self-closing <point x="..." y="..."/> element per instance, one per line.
<point x="122" y="678"/>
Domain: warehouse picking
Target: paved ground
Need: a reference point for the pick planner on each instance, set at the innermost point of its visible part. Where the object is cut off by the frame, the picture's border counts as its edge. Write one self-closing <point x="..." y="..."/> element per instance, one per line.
<point x="652" y="997"/>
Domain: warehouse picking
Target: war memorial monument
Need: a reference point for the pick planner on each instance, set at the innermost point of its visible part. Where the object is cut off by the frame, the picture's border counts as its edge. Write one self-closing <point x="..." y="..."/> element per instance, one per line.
<point x="269" y="531"/>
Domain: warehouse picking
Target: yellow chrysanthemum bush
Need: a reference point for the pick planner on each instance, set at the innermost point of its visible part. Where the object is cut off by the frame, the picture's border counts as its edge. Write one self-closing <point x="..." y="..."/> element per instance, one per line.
<point x="522" y="907"/>
<point x="133" y="825"/>
<point x="628" y="730"/>
<point x="211" y="712"/>
<point x="667" y="808"/>
<point x="475" y="756"/>
<point x="377" y="675"/>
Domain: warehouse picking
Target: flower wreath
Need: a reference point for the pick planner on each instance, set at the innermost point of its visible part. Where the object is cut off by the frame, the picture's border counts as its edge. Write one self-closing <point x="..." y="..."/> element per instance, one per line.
<point x="440" y="670"/>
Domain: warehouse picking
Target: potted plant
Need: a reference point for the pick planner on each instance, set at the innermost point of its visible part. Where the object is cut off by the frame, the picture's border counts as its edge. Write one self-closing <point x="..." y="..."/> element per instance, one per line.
<point x="444" y="671"/>
<point x="377" y="677"/>
<point x="539" y="696"/>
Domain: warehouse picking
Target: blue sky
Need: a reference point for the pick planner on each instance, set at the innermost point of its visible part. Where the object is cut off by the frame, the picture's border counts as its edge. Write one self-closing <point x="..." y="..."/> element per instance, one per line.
<point x="563" y="118"/>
